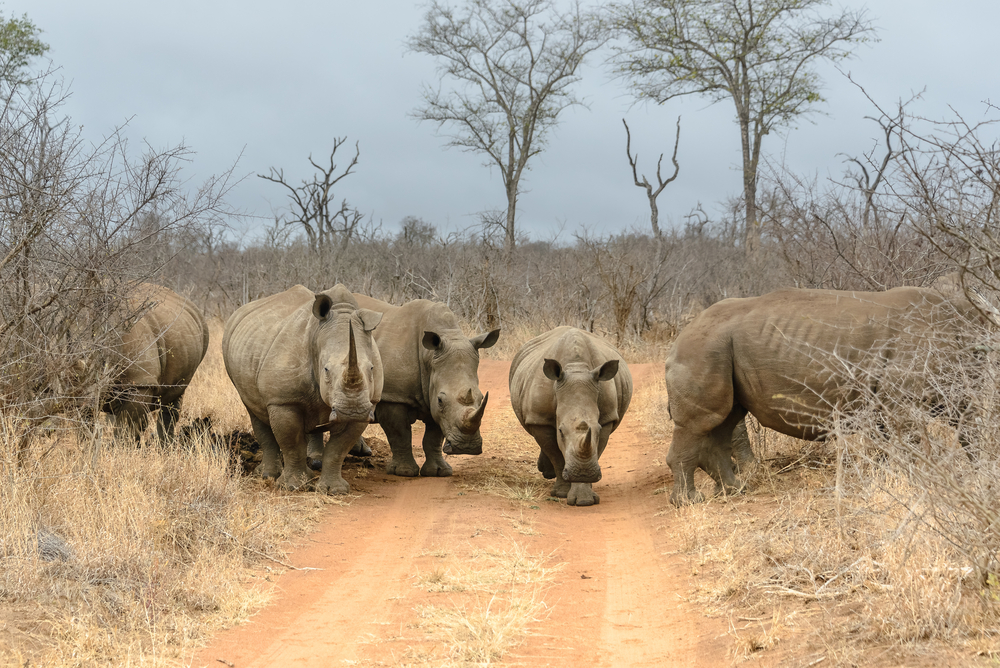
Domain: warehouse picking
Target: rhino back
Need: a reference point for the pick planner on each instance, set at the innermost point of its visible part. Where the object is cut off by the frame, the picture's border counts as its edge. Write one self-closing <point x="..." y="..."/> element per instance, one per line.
<point x="267" y="353"/>
<point x="167" y="344"/>
<point x="783" y="356"/>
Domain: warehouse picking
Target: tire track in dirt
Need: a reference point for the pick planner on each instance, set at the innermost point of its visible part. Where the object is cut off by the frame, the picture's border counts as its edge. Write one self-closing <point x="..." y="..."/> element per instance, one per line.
<point x="618" y="599"/>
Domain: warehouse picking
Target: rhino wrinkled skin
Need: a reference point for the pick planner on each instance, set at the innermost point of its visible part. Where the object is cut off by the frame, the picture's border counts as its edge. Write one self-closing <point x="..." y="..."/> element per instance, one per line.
<point x="432" y="375"/>
<point x="303" y="364"/>
<point x="159" y="355"/>
<point x="570" y="390"/>
<point x="785" y="358"/>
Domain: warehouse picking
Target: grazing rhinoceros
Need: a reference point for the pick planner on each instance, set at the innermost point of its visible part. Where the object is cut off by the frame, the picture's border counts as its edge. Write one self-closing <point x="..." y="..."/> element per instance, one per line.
<point x="570" y="390"/>
<point x="432" y="375"/>
<point x="795" y="359"/>
<point x="158" y="356"/>
<point x="303" y="364"/>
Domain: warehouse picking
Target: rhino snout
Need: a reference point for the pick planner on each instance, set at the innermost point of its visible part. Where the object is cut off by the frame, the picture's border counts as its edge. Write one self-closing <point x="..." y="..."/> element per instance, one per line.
<point x="464" y="447"/>
<point x="584" y="473"/>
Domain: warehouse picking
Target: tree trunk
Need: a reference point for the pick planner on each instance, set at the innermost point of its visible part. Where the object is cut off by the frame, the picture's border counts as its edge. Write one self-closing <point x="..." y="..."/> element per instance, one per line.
<point x="509" y="240"/>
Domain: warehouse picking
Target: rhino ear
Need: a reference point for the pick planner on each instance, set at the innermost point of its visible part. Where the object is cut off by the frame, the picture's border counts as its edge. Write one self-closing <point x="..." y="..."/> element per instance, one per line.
<point x="369" y="319"/>
<point x="431" y="341"/>
<point x="552" y="369"/>
<point x="321" y="306"/>
<point x="606" y="371"/>
<point x="486" y="340"/>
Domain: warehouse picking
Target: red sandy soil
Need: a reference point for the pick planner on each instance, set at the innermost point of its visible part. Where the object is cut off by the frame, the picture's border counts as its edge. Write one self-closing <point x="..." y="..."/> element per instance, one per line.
<point x="617" y="600"/>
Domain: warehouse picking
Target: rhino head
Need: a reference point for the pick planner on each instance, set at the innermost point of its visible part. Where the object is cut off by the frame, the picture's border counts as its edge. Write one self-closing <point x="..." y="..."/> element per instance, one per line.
<point x="456" y="403"/>
<point x="346" y="360"/>
<point x="578" y="416"/>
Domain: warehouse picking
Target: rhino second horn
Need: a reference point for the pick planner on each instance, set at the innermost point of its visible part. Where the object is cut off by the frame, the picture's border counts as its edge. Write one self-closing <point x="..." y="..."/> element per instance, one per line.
<point x="467" y="398"/>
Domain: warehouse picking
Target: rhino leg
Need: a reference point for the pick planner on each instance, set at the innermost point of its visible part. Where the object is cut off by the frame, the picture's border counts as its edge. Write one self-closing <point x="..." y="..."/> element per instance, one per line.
<point x="395" y="422"/>
<point x="546" y="439"/>
<point x="712" y="452"/>
<point x="169" y="413"/>
<point x="131" y="420"/>
<point x="582" y="494"/>
<point x="434" y="463"/>
<point x="332" y="480"/>
<point x="286" y="425"/>
<point x="360" y="449"/>
<point x="545" y="466"/>
<point x="743" y="456"/>
<point x="270" y="465"/>
<point x="314" y="451"/>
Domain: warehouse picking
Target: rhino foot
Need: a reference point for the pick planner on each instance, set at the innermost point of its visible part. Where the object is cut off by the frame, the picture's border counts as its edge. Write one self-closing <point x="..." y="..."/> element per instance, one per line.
<point x="680" y="499"/>
<point x="405" y="469"/>
<point x="582" y="495"/>
<point x="560" y="490"/>
<point x="360" y="449"/>
<point x="432" y="469"/>
<point x="335" y="486"/>
<point x="293" y="482"/>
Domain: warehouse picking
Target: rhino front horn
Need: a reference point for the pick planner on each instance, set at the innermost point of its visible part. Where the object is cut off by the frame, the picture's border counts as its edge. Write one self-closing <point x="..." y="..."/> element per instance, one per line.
<point x="478" y="417"/>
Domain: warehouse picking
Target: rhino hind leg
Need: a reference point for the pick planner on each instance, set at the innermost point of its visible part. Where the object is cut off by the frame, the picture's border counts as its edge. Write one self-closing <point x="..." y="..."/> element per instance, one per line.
<point x="314" y="451"/>
<point x="131" y="420"/>
<point x="360" y="449"/>
<point x="395" y="422"/>
<point x="743" y="456"/>
<point x="545" y="466"/>
<point x="434" y="463"/>
<point x="711" y="451"/>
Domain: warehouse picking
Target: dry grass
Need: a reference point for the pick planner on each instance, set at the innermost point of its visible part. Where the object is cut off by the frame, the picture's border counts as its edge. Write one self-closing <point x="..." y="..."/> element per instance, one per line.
<point x="113" y="555"/>
<point x="502" y="599"/>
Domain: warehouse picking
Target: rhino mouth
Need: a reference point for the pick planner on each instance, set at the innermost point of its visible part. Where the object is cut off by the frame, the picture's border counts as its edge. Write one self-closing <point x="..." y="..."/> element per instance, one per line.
<point x="581" y="474"/>
<point x="341" y="419"/>
<point x="452" y="448"/>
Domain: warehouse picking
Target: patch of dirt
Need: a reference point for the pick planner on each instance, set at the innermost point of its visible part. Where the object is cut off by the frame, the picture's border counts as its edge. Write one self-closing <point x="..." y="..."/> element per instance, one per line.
<point x="616" y="595"/>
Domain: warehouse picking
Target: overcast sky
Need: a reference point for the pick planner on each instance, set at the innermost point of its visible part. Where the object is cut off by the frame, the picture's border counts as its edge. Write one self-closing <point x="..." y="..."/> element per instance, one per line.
<point x="270" y="83"/>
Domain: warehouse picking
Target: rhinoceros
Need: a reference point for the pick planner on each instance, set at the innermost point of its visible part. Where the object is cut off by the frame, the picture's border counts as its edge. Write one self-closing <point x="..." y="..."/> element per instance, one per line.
<point x="432" y="375"/>
<point x="303" y="364"/>
<point x="570" y="390"/>
<point x="158" y="356"/>
<point x="795" y="359"/>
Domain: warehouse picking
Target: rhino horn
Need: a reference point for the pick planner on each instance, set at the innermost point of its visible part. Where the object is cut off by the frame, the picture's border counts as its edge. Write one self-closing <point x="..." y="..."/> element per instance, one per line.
<point x="477" y="417"/>
<point x="467" y="399"/>
<point x="587" y="445"/>
<point x="352" y="375"/>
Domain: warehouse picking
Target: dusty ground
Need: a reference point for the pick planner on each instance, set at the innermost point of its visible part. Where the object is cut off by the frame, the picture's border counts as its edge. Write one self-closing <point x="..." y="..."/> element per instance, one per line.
<point x="616" y="587"/>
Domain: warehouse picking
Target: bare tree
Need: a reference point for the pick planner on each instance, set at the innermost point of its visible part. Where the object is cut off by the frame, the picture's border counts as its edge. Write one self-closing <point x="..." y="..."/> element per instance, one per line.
<point x="75" y="222"/>
<point x="755" y="53"/>
<point x="653" y="193"/>
<point x="312" y="204"/>
<point x="513" y="65"/>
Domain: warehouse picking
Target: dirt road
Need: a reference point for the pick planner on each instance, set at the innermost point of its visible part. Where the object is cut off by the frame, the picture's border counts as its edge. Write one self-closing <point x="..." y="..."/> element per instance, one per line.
<point x="615" y="593"/>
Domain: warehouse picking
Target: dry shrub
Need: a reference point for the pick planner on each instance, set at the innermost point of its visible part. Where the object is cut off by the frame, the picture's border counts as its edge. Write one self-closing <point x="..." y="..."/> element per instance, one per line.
<point x="132" y="552"/>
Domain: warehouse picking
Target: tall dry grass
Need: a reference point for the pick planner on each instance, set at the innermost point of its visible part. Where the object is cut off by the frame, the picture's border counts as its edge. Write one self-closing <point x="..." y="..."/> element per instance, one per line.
<point x="117" y="555"/>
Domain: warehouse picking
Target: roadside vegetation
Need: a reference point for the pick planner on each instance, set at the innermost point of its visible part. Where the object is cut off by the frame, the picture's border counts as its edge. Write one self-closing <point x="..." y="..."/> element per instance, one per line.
<point x="882" y="539"/>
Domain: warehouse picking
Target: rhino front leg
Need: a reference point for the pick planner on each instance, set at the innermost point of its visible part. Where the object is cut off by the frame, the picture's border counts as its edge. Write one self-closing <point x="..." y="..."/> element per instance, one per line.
<point x="314" y="451"/>
<point x="286" y="424"/>
<point x="395" y="422"/>
<point x="332" y="480"/>
<point x="270" y="465"/>
<point x="545" y="465"/>
<point x="546" y="439"/>
<point x="582" y="494"/>
<point x="434" y="463"/>
<point x="169" y="414"/>
<point x="131" y="420"/>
